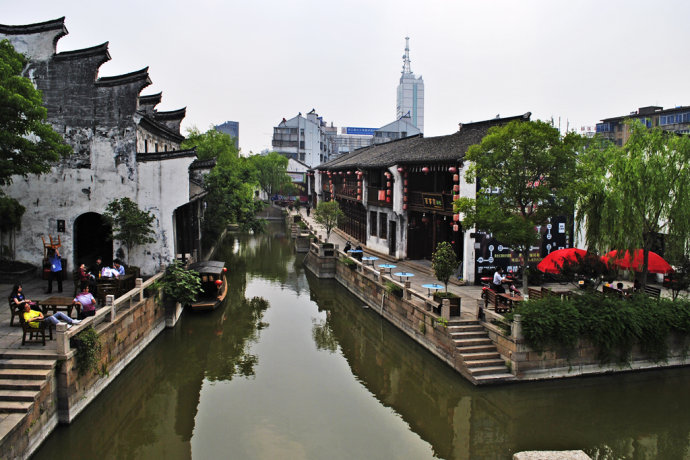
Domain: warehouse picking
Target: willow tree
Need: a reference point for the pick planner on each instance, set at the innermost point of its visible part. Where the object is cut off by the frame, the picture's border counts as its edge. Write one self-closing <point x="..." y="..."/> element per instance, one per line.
<point x="631" y="194"/>
<point x="525" y="171"/>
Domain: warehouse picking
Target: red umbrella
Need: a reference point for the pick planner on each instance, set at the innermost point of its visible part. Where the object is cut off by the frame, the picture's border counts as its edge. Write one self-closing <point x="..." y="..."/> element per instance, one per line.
<point x="655" y="264"/>
<point x="554" y="261"/>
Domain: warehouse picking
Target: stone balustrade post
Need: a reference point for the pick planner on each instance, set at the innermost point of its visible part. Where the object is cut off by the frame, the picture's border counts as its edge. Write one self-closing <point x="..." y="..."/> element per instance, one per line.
<point x="138" y="284"/>
<point x="406" y="291"/>
<point x="517" y="327"/>
<point x="110" y="303"/>
<point x="62" y="340"/>
<point x="445" y="309"/>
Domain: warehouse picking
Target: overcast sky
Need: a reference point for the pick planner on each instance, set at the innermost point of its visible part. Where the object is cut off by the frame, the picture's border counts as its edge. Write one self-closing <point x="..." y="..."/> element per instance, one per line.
<point x="259" y="61"/>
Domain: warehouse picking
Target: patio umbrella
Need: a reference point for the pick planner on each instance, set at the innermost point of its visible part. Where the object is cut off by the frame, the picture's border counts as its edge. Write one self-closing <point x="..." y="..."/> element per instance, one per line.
<point x="655" y="264"/>
<point x="554" y="261"/>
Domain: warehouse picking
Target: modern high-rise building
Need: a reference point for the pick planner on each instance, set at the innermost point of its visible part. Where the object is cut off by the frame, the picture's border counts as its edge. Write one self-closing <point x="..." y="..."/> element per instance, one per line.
<point x="231" y="128"/>
<point x="410" y="92"/>
<point x="303" y="139"/>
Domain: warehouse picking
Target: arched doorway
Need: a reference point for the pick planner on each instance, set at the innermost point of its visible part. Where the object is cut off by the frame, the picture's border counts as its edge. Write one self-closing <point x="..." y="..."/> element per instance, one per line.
<point x="92" y="239"/>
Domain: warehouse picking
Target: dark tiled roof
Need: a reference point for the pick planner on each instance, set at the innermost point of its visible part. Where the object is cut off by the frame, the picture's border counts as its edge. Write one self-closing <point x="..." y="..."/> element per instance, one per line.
<point x="203" y="164"/>
<point x="116" y="80"/>
<point x="54" y="24"/>
<point x="169" y="155"/>
<point x="178" y="114"/>
<point x="154" y="126"/>
<point x="418" y="149"/>
<point x="98" y="50"/>
<point x="151" y="99"/>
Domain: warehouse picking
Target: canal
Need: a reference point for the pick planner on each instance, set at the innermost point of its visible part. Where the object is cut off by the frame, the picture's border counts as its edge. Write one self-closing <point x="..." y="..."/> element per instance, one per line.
<point x="311" y="374"/>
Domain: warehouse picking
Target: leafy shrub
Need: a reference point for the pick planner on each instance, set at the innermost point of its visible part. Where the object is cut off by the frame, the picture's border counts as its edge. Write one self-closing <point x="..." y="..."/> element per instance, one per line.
<point x="88" y="350"/>
<point x="611" y="324"/>
<point x="348" y="262"/>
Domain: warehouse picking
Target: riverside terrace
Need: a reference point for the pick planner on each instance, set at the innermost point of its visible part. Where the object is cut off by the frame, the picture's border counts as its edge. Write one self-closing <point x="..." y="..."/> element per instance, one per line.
<point x="41" y="386"/>
<point x="480" y="344"/>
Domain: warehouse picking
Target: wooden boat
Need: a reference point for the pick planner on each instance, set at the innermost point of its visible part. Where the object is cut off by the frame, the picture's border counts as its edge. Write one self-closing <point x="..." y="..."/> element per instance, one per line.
<point x="214" y="285"/>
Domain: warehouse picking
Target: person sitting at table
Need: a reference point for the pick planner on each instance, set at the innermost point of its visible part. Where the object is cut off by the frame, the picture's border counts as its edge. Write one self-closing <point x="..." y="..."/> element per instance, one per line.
<point x="97" y="267"/>
<point x="117" y="265"/>
<point x="347" y="247"/>
<point x="86" y="277"/>
<point x="86" y="301"/>
<point x="17" y="297"/>
<point x="497" y="282"/>
<point x="108" y="272"/>
<point x="358" y="255"/>
<point x="32" y="317"/>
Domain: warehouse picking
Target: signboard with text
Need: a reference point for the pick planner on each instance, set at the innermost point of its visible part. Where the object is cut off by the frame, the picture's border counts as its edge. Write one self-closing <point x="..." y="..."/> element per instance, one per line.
<point x="360" y="131"/>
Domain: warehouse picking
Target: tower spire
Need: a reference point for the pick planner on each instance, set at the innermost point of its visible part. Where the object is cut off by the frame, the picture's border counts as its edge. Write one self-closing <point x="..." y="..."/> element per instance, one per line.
<point x="406" y="57"/>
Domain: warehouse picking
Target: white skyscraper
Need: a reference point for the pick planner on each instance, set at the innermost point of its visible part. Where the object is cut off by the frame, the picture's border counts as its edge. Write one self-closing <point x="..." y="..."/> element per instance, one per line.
<point x="410" y="92"/>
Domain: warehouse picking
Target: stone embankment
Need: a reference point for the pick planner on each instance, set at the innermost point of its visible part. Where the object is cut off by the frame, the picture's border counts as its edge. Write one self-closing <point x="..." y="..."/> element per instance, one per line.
<point x="42" y="386"/>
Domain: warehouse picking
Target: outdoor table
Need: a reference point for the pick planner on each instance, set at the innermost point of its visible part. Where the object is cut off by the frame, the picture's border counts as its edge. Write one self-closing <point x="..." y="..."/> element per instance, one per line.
<point x="405" y="274"/>
<point x="429" y="287"/>
<point x="57" y="303"/>
<point x="390" y="267"/>
<point x="509" y="300"/>
<point x="370" y="259"/>
<point x="356" y="251"/>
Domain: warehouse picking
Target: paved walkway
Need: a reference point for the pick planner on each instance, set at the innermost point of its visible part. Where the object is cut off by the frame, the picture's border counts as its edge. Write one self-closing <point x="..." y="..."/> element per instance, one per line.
<point x="34" y="289"/>
<point x="421" y="269"/>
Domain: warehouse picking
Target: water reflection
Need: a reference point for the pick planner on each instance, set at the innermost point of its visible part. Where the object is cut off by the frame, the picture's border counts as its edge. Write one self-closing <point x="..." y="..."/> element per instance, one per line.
<point x="328" y="378"/>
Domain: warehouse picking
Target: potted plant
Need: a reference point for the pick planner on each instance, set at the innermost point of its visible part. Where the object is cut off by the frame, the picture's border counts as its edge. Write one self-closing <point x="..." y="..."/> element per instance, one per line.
<point x="444" y="262"/>
<point x="180" y="284"/>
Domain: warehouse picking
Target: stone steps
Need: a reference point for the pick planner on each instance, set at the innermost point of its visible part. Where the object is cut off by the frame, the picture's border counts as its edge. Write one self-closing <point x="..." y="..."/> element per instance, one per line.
<point x="15" y="407"/>
<point x="25" y="364"/>
<point x="25" y="374"/>
<point x="495" y="378"/>
<point x="17" y="395"/>
<point x="489" y="370"/>
<point x="479" y="353"/>
<point x="467" y="335"/>
<point x="21" y="353"/>
<point x="476" y="356"/>
<point x="462" y="344"/>
<point x="21" y="384"/>
<point x="485" y="363"/>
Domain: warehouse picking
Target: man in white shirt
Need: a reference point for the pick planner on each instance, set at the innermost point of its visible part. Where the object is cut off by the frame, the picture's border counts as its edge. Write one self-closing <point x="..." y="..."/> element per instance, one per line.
<point x="497" y="284"/>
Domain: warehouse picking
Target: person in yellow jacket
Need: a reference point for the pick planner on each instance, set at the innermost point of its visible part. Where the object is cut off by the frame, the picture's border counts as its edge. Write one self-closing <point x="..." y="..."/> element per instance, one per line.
<point x="32" y="317"/>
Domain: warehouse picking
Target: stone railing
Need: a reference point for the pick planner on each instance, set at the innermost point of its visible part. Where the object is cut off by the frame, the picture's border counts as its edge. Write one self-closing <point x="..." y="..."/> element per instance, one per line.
<point x="107" y="313"/>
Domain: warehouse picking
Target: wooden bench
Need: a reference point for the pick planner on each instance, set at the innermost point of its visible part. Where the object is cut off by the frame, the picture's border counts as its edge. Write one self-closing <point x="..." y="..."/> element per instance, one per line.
<point x="534" y="294"/>
<point x="652" y="292"/>
<point x="492" y="299"/>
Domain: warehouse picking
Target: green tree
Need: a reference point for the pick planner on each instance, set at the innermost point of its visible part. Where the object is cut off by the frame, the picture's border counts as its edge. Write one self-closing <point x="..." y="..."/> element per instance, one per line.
<point x="130" y="225"/>
<point x="444" y="262"/>
<point x="230" y="185"/>
<point x="525" y="172"/>
<point x="272" y="173"/>
<point x="212" y="144"/>
<point x="631" y="194"/>
<point x="28" y="144"/>
<point x="328" y="213"/>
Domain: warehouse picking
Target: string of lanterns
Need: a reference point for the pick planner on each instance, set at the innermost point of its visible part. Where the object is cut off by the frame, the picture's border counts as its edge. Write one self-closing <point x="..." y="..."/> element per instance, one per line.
<point x="456" y="196"/>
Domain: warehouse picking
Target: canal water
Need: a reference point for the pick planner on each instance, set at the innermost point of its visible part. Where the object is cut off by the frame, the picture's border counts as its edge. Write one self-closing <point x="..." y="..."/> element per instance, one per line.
<point x="311" y="374"/>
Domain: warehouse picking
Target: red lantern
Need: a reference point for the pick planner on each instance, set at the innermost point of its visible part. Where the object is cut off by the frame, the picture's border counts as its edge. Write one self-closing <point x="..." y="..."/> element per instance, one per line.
<point x="456" y="197"/>
<point x="452" y="169"/>
<point x="456" y="228"/>
<point x="404" y="207"/>
<point x="425" y="169"/>
<point x="359" y="190"/>
<point x="359" y="197"/>
<point x="405" y="182"/>
<point x="456" y="217"/>
<point x="225" y="269"/>
<point x="456" y="188"/>
<point x="388" y="184"/>
<point x="219" y="282"/>
<point x="405" y="190"/>
<point x="349" y="172"/>
<point x="388" y="199"/>
<point x="425" y="219"/>
<point x="404" y="198"/>
<point x="388" y="192"/>
<point x="456" y="178"/>
<point x="401" y="169"/>
<point x="382" y="195"/>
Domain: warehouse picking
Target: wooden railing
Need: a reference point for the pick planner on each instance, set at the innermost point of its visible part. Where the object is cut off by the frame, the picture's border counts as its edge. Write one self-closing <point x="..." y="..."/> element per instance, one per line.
<point x="106" y="313"/>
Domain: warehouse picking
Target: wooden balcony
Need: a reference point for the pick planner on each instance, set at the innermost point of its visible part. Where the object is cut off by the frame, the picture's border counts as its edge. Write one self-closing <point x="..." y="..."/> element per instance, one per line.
<point x="373" y="198"/>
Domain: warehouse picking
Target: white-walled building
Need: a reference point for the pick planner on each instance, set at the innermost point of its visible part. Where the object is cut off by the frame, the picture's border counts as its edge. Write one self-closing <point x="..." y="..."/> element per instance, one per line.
<point x="304" y="139"/>
<point x="123" y="147"/>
